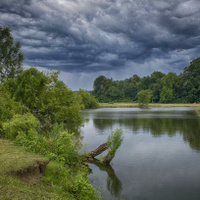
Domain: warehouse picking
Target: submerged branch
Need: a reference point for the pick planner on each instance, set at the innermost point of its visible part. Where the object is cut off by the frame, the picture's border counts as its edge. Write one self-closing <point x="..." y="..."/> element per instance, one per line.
<point x="113" y="143"/>
<point x="98" y="151"/>
<point x="90" y="157"/>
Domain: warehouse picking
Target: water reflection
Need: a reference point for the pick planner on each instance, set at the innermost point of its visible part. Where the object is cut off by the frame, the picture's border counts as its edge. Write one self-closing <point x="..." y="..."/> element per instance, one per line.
<point x="154" y="161"/>
<point x="114" y="185"/>
<point x="189" y="128"/>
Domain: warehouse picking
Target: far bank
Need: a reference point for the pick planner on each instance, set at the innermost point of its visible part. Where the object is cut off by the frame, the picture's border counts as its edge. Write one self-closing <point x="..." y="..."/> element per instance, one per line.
<point x="131" y="105"/>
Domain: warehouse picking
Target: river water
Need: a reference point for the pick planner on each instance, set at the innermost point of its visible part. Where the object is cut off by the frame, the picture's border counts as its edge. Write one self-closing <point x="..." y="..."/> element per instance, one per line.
<point x="159" y="158"/>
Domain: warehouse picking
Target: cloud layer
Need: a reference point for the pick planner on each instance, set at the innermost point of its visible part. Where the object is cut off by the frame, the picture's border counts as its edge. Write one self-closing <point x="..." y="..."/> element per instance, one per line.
<point x="115" y="37"/>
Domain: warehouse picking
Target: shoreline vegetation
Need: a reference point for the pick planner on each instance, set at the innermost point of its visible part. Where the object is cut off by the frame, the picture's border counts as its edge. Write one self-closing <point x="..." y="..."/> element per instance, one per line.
<point x="38" y="112"/>
<point x="26" y="175"/>
<point x="150" y="105"/>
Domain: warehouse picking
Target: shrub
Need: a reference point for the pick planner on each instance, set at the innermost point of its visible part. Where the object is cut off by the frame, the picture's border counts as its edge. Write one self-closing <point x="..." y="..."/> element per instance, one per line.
<point x="25" y="124"/>
<point x="88" y="100"/>
<point x="114" y="141"/>
<point x="60" y="148"/>
<point x="76" y="184"/>
<point x="144" y="97"/>
<point x="8" y="107"/>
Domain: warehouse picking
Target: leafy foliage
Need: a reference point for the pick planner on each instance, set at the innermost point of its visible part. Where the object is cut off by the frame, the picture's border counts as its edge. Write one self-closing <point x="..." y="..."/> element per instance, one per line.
<point x="35" y="112"/>
<point x="11" y="57"/>
<point x="20" y="124"/>
<point x="76" y="184"/>
<point x="8" y="107"/>
<point x="114" y="141"/>
<point x="144" y="97"/>
<point x="61" y="147"/>
<point x="165" y="88"/>
<point x="88" y="100"/>
<point x="46" y="97"/>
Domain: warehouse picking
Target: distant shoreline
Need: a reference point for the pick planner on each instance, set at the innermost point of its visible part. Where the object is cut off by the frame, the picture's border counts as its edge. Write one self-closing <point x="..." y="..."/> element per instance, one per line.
<point x="132" y="105"/>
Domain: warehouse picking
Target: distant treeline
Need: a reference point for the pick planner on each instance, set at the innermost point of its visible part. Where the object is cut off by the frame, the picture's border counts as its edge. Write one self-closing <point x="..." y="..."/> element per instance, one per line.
<point x="170" y="88"/>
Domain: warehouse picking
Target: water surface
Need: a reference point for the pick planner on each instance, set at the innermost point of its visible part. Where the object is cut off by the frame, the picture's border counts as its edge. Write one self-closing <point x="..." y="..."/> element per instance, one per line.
<point x="159" y="158"/>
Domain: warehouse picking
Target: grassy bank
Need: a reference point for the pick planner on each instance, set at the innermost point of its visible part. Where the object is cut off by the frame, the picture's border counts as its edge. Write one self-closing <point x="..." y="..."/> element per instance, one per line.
<point x="19" y="178"/>
<point x="16" y="160"/>
<point x="132" y="105"/>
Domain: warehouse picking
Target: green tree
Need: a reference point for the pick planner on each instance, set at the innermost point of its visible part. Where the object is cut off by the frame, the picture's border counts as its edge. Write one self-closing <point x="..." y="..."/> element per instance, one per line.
<point x="26" y="124"/>
<point x="190" y="80"/>
<point x="156" y="85"/>
<point x="88" y="100"/>
<point x="144" y="97"/>
<point x="11" y="57"/>
<point x="46" y="97"/>
<point x="8" y="107"/>
<point x="131" y="87"/>
<point x="167" y="95"/>
<point x="170" y="91"/>
<point x="98" y="87"/>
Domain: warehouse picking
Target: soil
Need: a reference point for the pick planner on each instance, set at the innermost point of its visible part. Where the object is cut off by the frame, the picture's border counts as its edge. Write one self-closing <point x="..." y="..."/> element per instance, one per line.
<point x="33" y="173"/>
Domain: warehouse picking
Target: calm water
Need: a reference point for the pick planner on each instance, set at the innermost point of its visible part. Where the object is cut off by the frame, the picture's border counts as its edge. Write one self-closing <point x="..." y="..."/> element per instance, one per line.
<point x="159" y="158"/>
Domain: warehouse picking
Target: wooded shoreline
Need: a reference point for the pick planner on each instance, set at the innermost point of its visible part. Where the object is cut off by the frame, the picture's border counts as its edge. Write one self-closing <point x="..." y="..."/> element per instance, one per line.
<point x="134" y="105"/>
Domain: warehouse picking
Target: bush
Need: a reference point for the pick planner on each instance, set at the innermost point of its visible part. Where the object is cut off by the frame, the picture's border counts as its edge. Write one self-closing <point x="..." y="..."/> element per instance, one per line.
<point x="8" y="107"/>
<point x="88" y="100"/>
<point x="76" y="184"/>
<point x="46" y="97"/>
<point x="144" y="97"/>
<point x="60" y="147"/>
<point x="20" y="124"/>
<point x="114" y="141"/>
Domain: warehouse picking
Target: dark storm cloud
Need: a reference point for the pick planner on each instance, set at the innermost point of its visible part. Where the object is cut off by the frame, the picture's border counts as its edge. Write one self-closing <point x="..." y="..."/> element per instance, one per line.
<point x="104" y="35"/>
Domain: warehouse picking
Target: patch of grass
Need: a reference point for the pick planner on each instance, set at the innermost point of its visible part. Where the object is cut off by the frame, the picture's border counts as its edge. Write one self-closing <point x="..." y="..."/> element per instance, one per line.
<point x="132" y="105"/>
<point x="60" y="181"/>
<point x="14" y="158"/>
<point x="15" y="189"/>
<point x="173" y="105"/>
<point x="118" y="105"/>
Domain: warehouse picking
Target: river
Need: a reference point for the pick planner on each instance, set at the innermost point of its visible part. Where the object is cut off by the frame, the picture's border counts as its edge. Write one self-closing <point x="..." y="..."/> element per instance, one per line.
<point x="159" y="158"/>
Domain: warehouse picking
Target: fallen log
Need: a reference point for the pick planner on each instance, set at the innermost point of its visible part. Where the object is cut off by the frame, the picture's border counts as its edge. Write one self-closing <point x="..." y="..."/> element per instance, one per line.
<point x="112" y="144"/>
<point x="92" y="154"/>
<point x="98" y="150"/>
<point x="108" y="158"/>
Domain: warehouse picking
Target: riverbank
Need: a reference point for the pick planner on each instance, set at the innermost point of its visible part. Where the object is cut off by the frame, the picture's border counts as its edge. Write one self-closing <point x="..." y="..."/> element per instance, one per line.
<point x="25" y="175"/>
<point x="22" y="174"/>
<point x="132" y="105"/>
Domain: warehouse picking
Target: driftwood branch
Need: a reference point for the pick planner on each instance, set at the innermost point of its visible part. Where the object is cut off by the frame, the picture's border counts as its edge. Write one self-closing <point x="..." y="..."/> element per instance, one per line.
<point x="98" y="151"/>
<point x="107" y="159"/>
<point x="113" y="143"/>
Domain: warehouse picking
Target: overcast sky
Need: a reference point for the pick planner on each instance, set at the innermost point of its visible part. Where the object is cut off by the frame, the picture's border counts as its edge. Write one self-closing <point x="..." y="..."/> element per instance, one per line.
<point x="115" y="38"/>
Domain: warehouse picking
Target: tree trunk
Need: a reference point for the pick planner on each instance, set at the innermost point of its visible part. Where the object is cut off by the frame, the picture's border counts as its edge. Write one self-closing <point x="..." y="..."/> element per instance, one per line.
<point x="98" y="151"/>
<point x="108" y="158"/>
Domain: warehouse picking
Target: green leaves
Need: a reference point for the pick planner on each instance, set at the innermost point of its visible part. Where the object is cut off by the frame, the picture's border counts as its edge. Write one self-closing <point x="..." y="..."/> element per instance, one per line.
<point x="8" y="107"/>
<point x="114" y="141"/>
<point x="88" y="101"/>
<point x="46" y="97"/>
<point x="11" y="57"/>
<point x="144" y="97"/>
<point x="20" y="124"/>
